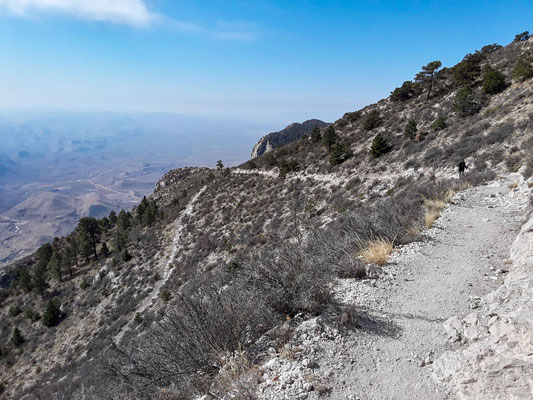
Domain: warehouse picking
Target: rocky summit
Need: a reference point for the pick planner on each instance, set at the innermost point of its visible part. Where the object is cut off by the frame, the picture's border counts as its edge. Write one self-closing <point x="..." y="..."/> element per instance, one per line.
<point x="350" y="260"/>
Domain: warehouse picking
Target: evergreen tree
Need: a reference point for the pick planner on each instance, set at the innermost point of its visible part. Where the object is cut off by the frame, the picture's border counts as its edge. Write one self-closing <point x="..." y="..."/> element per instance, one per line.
<point x="339" y="153"/>
<point x="123" y="220"/>
<point x="403" y="93"/>
<point x="468" y="70"/>
<point x="89" y="229"/>
<point x="85" y="246"/>
<point x="126" y="256"/>
<point x="52" y="313"/>
<point x="493" y="80"/>
<point x="23" y="279"/>
<point x="44" y="254"/>
<point x="373" y="120"/>
<point x="466" y="101"/>
<point x="73" y="247"/>
<point x="141" y="208"/>
<point x="54" y="266"/>
<point x="316" y="135"/>
<point x="439" y="124"/>
<point x="521" y="37"/>
<point x="68" y="258"/>
<point x="523" y="68"/>
<point x="411" y="129"/>
<point x="330" y="137"/>
<point x="427" y="76"/>
<point x="112" y="218"/>
<point x="119" y="240"/>
<point x="379" y="146"/>
<point x="220" y="166"/>
<point x="105" y="250"/>
<point x="105" y="224"/>
<point x="16" y="338"/>
<point x="39" y="279"/>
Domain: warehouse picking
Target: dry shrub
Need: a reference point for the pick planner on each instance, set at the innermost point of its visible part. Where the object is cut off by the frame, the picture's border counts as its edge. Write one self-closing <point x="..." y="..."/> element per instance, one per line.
<point x="430" y="217"/>
<point x="377" y="251"/>
<point x="435" y="204"/>
<point x="513" y="185"/>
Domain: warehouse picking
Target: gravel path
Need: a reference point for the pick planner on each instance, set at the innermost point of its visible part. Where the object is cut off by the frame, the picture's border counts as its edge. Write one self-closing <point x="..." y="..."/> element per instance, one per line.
<point x="428" y="282"/>
<point x="399" y="319"/>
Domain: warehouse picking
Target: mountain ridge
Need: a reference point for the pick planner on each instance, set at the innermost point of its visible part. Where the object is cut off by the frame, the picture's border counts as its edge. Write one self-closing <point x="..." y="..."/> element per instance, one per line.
<point x="259" y="247"/>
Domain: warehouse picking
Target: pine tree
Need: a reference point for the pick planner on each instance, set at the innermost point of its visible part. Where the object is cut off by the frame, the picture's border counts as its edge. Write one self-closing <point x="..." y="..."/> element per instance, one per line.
<point x="73" y="247"/>
<point x="112" y="218"/>
<point x="330" y="137"/>
<point x="339" y="153"/>
<point x="123" y="220"/>
<point x="427" y="76"/>
<point x="411" y="129"/>
<point x="39" y="279"/>
<point x="141" y="208"/>
<point x="379" y="146"/>
<point x="493" y="80"/>
<point x="439" y="124"/>
<point x="52" y="313"/>
<point x="44" y="254"/>
<point x="105" y="250"/>
<point x="54" y="266"/>
<point x="220" y="166"/>
<point x="316" y="136"/>
<point x="23" y="279"/>
<point x="16" y="338"/>
<point x="89" y="228"/>
<point x="67" y="260"/>
<point x="119" y="240"/>
<point x="523" y="68"/>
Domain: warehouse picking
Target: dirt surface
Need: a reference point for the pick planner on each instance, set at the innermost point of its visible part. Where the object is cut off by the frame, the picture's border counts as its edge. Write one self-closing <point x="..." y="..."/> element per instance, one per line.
<point x="388" y="350"/>
<point x="391" y="355"/>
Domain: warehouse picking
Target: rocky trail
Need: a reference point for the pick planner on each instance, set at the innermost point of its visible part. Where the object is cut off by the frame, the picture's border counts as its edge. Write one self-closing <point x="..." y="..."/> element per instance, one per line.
<point x="397" y="330"/>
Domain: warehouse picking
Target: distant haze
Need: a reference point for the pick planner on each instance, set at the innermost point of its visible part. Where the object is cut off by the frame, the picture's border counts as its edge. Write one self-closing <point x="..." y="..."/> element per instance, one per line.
<point x="58" y="167"/>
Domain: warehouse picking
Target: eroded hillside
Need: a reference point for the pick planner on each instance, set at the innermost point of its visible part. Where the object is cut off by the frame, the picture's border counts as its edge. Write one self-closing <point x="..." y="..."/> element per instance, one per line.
<point x="188" y="293"/>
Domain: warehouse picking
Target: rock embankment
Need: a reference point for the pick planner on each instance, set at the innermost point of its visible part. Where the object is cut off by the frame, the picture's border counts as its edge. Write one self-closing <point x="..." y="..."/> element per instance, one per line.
<point x="495" y="360"/>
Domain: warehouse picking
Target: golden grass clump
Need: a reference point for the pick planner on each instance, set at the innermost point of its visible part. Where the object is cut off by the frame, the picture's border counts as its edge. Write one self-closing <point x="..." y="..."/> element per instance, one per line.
<point x="513" y="185"/>
<point x="431" y="216"/>
<point x="530" y="184"/>
<point x="377" y="251"/>
<point x="435" y="204"/>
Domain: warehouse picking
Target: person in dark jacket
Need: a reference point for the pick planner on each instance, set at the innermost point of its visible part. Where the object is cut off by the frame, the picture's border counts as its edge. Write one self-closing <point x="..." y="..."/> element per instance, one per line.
<point x="462" y="166"/>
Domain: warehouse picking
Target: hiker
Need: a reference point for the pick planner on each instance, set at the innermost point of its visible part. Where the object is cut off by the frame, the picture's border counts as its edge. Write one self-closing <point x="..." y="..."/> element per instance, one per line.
<point x="462" y="166"/>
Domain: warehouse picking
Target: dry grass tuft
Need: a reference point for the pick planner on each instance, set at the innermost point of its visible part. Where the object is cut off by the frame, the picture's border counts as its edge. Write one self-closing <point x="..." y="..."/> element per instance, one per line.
<point x="435" y="204"/>
<point x="377" y="251"/>
<point x="530" y="184"/>
<point x="513" y="185"/>
<point x="430" y="217"/>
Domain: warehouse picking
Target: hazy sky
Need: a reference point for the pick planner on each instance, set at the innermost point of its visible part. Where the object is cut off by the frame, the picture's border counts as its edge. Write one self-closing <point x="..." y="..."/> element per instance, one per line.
<point x="261" y="60"/>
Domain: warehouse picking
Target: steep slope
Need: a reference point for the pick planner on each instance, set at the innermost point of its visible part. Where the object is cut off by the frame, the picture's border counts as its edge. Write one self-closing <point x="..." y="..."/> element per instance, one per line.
<point x="203" y="281"/>
<point x="288" y="135"/>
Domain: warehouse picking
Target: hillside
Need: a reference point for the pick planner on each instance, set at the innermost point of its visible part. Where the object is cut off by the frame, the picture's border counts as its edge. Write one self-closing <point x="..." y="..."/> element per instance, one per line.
<point x="288" y="135"/>
<point x="204" y="285"/>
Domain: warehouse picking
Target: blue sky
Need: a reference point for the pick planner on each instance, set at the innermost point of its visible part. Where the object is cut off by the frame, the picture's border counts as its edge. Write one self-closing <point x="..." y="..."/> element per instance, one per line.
<point x="256" y="60"/>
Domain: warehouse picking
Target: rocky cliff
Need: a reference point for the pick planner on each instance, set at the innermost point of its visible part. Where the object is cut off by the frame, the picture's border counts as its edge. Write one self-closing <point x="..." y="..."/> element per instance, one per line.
<point x="288" y="135"/>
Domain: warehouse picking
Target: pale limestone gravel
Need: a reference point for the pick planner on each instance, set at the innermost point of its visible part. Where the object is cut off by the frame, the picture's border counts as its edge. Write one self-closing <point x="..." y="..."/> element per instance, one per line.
<point x="400" y="324"/>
